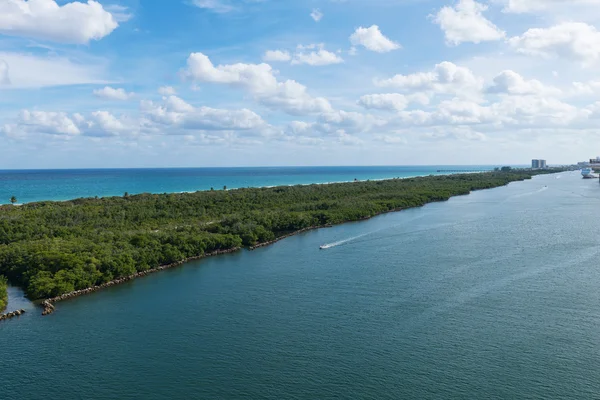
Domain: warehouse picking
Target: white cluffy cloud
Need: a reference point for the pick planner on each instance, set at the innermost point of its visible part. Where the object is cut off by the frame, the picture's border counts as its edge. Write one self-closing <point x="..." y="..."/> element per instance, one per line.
<point x="46" y="20"/>
<point x="465" y="23"/>
<point x="529" y="6"/>
<point x="98" y="123"/>
<point x="167" y="90"/>
<point x="510" y="82"/>
<point x="4" y="77"/>
<point x="217" y="6"/>
<point x="109" y="93"/>
<point x="312" y="54"/>
<point x="260" y="81"/>
<point x="176" y="114"/>
<point x="390" y="101"/>
<point x="277" y="55"/>
<point x="372" y="39"/>
<point x="316" y="56"/>
<point x="316" y="15"/>
<point x="34" y="71"/>
<point x="569" y="40"/>
<point x="446" y="78"/>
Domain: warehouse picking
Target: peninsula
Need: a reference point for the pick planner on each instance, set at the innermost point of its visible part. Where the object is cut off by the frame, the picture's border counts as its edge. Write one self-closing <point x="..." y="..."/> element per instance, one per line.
<point x="56" y="250"/>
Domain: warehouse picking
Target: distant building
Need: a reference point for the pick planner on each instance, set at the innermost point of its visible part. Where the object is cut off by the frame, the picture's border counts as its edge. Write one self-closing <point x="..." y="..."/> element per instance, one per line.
<point x="538" y="164"/>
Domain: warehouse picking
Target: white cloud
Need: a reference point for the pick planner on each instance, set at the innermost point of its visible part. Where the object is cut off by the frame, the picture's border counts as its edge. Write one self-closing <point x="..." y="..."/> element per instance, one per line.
<point x="167" y="91"/>
<point x="316" y="14"/>
<point x="44" y="19"/>
<point x="510" y="82"/>
<point x="537" y="111"/>
<point x="386" y="101"/>
<point x="217" y="6"/>
<point x="446" y="78"/>
<point x="277" y="55"/>
<point x="4" y="76"/>
<point x="317" y="57"/>
<point x="569" y="40"/>
<point x="372" y="39"/>
<point x="585" y="88"/>
<point x="54" y="123"/>
<point x="99" y="124"/>
<point x="529" y="6"/>
<point x="465" y="23"/>
<point x="391" y="101"/>
<point x="352" y="122"/>
<point x="105" y="124"/>
<point x="119" y="13"/>
<point x="260" y="81"/>
<point x="511" y="112"/>
<point x="174" y="117"/>
<point x="109" y="93"/>
<point x="176" y="113"/>
<point x="31" y="71"/>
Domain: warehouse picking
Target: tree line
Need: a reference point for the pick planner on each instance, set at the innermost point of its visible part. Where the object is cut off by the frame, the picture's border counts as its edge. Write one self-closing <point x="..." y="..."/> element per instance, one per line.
<point x="3" y="293"/>
<point x="51" y="248"/>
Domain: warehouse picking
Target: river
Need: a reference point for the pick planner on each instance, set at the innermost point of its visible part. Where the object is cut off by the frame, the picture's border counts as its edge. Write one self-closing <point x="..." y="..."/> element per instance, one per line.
<point x="493" y="295"/>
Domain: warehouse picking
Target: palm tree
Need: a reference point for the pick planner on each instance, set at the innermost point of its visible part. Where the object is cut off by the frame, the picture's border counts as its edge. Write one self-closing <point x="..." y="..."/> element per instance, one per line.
<point x="13" y="200"/>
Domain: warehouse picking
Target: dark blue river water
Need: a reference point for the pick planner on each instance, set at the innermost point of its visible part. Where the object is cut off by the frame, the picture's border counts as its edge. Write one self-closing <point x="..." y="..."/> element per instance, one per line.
<point x="488" y="296"/>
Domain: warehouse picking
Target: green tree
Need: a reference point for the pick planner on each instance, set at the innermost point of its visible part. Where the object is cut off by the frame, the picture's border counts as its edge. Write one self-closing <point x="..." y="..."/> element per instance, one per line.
<point x="3" y="293"/>
<point x="50" y="248"/>
<point x="13" y="200"/>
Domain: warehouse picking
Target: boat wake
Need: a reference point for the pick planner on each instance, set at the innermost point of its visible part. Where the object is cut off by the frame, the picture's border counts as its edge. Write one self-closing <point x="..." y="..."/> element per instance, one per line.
<point x="519" y="195"/>
<point x="353" y="238"/>
<point x="340" y="242"/>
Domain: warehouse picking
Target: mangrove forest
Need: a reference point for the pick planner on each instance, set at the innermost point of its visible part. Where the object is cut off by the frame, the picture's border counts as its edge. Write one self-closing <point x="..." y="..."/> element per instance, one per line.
<point x="3" y="293"/>
<point x="52" y="248"/>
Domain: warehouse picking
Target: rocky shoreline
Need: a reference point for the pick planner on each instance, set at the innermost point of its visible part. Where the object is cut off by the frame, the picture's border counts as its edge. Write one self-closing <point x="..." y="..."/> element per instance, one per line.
<point x="48" y="304"/>
<point x="10" y="315"/>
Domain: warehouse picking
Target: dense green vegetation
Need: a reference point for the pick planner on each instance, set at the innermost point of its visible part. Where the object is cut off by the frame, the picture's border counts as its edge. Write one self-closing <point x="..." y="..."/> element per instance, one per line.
<point x="3" y="293"/>
<point x="51" y="248"/>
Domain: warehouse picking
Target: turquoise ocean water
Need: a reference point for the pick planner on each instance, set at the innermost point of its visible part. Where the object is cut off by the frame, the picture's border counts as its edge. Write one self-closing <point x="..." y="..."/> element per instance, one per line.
<point x="493" y="295"/>
<point x="32" y="185"/>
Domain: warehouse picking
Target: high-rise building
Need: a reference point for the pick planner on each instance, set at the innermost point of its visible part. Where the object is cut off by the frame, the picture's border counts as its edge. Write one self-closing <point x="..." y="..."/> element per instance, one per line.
<point x="538" y="164"/>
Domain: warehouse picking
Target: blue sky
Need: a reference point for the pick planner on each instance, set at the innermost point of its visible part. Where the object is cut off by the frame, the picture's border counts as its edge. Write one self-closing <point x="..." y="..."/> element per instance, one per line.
<point x="140" y="83"/>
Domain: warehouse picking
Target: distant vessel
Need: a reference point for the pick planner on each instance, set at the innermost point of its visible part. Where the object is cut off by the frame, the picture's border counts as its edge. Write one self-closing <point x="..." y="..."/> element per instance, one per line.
<point x="322" y="247"/>
<point x="587" y="173"/>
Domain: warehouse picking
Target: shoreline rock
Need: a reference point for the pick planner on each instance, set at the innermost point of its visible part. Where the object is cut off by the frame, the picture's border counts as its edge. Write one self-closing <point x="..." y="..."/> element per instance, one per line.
<point x="48" y="304"/>
<point x="10" y="315"/>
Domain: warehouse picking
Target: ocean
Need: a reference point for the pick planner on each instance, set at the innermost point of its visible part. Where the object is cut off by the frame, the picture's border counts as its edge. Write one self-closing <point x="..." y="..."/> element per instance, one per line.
<point x="493" y="295"/>
<point x="37" y="185"/>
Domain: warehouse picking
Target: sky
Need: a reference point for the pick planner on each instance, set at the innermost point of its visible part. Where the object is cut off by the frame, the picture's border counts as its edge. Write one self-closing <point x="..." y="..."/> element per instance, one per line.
<point x="193" y="83"/>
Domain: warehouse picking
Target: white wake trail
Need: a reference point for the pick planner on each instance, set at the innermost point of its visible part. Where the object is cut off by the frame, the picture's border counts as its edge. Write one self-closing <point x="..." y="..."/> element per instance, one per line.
<point x="334" y="244"/>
